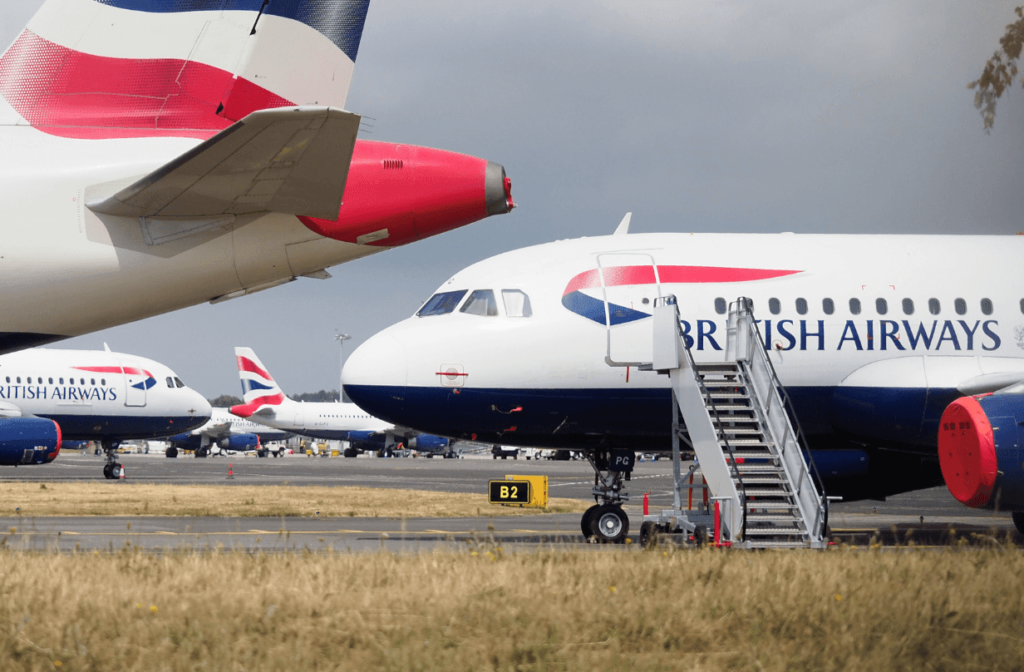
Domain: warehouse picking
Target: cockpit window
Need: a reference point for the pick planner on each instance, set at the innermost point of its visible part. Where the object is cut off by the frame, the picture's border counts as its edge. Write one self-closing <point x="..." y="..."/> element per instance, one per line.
<point x="177" y="381"/>
<point x="481" y="302"/>
<point x="170" y="383"/>
<point x="517" y="303"/>
<point x="441" y="303"/>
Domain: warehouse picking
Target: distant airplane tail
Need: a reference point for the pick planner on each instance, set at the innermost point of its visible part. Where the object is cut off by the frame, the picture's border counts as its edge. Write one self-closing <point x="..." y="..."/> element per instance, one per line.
<point x="259" y="389"/>
<point x="141" y="68"/>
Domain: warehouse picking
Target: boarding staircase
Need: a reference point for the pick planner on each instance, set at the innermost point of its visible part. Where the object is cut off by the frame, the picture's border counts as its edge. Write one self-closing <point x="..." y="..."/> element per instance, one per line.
<point x="738" y="421"/>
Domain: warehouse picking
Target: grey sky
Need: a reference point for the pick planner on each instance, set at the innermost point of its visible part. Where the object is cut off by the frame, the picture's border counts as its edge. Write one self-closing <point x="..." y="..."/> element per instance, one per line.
<point x="845" y="117"/>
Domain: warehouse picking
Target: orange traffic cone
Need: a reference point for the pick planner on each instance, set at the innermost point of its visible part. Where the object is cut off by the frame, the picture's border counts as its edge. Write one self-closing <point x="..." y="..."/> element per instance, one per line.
<point x="122" y="472"/>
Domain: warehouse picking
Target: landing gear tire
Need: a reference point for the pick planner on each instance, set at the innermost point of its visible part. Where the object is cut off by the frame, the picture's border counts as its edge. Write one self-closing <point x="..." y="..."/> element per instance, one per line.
<point x="171" y="452"/>
<point x="609" y="524"/>
<point x="351" y="452"/>
<point x="1018" y="520"/>
<point x="108" y="471"/>
<point x="203" y="452"/>
<point x="585" y="527"/>
<point x="263" y="452"/>
<point x="648" y="534"/>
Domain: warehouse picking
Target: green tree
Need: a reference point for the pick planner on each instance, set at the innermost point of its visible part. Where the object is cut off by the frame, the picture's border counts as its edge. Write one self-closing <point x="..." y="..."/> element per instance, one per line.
<point x="225" y="401"/>
<point x="1000" y="71"/>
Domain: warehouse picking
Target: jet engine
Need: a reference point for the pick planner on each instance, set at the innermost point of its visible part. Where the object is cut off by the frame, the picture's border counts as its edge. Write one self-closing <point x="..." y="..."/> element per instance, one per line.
<point x="427" y="442"/>
<point x="28" y="441"/>
<point x="981" y="451"/>
<point x="240" y="442"/>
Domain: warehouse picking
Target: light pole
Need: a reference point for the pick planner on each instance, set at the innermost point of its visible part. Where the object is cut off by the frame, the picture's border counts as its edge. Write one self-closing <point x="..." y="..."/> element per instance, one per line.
<point x="341" y="338"/>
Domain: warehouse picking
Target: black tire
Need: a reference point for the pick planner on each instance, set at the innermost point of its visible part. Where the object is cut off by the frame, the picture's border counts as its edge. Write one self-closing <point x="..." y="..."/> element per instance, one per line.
<point x="585" y="526"/>
<point x="171" y="452"/>
<point x="609" y="524"/>
<point x="203" y="452"/>
<point x="108" y="471"/>
<point x="1018" y="520"/>
<point x="350" y="452"/>
<point x="648" y="534"/>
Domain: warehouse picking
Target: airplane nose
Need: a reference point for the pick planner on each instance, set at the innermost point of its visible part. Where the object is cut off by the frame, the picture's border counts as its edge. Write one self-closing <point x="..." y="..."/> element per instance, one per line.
<point x="201" y="406"/>
<point x="378" y="361"/>
<point x="375" y="373"/>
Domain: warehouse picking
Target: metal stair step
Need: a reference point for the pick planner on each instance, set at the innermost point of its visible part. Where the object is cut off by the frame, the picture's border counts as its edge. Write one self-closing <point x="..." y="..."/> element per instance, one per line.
<point x="746" y="442"/>
<point x="764" y="492"/>
<point x="765" y="543"/>
<point x="770" y="506"/>
<point x="728" y="395"/>
<point x="772" y="518"/>
<point x="728" y="407"/>
<point x="716" y="367"/>
<point x="749" y="479"/>
<point x="748" y="454"/>
<point x="774" y="531"/>
<point x="759" y="469"/>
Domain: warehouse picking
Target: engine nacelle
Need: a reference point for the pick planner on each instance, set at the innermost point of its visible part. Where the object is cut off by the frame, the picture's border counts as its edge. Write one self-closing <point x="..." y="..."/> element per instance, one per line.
<point x="240" y="442"/>
<point x="427" y="442"/>
<point x="981" y="451"/>
<point x="28" y="441"/>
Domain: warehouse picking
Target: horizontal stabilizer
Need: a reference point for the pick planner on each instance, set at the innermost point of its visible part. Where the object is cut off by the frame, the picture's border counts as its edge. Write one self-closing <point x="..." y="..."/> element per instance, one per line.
<point x="292" y="160"/>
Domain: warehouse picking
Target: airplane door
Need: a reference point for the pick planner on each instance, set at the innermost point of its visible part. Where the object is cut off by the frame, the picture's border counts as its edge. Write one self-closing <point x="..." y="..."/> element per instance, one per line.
<point x="135" y="386"/>
<point x="628" y="283"/>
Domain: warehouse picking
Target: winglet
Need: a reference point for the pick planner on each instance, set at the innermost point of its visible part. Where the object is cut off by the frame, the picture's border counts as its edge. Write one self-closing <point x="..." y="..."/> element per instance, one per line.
<point x="623" y="227"/>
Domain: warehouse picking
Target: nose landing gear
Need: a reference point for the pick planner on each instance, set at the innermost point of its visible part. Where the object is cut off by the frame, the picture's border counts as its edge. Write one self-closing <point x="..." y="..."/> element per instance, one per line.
<point x="112" y="469"/>
<point x="606" y="522"/>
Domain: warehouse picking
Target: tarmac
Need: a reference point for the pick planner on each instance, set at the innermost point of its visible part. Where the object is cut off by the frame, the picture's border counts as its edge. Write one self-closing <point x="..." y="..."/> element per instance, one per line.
<point x="923" y="518"/>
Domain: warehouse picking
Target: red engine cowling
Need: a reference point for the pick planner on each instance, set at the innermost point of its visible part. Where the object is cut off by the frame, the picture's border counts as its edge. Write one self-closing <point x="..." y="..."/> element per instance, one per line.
<point x="397" y="194"/>
<point x="981" y="451"/>
<point x="28" y="441"/>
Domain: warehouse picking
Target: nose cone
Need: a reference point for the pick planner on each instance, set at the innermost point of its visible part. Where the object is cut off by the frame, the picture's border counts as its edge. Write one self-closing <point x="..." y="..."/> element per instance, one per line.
<point x="199" y="410"/>
<point x="375" y="376"/>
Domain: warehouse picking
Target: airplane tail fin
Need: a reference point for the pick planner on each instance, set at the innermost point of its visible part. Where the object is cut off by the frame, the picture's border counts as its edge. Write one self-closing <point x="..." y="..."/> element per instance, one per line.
<point x="140" y="68"/>
<point x="259" y="390"/>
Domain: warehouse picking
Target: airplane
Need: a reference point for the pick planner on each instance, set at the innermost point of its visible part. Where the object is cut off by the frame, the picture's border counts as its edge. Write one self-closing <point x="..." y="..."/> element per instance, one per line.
<point x="226" y="433"/>
<point x="47" y="396"/>
<point x="266" y="403"/>
<point x="172" y="153"/>
<point x="873" y="337"/>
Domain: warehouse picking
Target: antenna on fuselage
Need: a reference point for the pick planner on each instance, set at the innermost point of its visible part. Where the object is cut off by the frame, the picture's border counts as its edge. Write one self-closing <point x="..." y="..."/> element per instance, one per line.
<point x="106" y="347"/>
<point x="623" y="227"/>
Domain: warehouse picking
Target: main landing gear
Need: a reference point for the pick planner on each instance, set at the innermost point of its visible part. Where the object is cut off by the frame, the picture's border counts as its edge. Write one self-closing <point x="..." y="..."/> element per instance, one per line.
<point x="606" y="522"/>
<point x="112" y="469"/>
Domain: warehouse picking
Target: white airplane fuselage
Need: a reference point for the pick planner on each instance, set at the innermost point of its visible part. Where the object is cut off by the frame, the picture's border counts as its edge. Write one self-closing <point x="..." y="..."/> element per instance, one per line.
<point x="96" y="395"/>
<point x="872" y="337"/>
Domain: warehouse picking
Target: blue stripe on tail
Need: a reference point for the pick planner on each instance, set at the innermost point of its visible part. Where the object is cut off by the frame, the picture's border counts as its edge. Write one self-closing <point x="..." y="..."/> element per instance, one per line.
<point x="341" y="21"/>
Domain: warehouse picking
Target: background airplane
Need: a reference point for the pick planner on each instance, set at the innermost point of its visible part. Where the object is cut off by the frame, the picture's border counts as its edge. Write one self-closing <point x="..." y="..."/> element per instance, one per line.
<point x="267" y="404"/>
<point x="50" y="395"/>
<point x="872" y="336"/>
<point x="171" y="154"/>
<point x="226" y="433"/>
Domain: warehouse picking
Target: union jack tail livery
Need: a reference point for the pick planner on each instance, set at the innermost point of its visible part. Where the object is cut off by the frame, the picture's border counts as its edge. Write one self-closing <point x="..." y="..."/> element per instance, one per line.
<point x="83" y="68"/>
<point x="259" y="390"/>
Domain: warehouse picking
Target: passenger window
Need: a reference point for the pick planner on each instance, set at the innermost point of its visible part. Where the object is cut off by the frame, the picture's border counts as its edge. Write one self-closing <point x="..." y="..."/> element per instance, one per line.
<point x="720" y="306"/>
<point x="177" y="381"/>
<point x="481" y="302"/>
<point x="828" y="305"/>
<point x="774" y="306"/>
<point x="934" y="307"/>
<point x="960" y="306"/>
<point x="60" y="379"/>
<point x="19" y="380"/>
<point x="103" y="382"/>
<point x="517" y="303"/>
<point x="855" y="306"/>
<point x="170" y="383"/>
<point x="441" y="303"/>
<point x="801" y="306"/>
<point x="908" y="306"/>
<point x="881" y="306"/>
<point x="51" y="381"/>
<point x="986" y="306"/>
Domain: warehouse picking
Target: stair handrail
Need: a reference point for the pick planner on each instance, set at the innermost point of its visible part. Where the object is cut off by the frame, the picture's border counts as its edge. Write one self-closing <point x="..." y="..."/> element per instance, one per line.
<point x="755" y="344"/>
<point x="670" y="299"/>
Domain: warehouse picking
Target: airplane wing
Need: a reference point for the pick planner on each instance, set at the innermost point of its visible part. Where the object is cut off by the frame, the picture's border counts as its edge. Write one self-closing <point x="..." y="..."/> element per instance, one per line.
<point x="217" y="431"/>
<point x="9" y="410"/>
<point x="293" y="160"/>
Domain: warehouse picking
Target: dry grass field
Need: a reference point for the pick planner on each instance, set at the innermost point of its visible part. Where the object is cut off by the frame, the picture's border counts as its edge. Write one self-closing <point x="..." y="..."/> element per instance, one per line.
<point x="104" y="498"/>
<point x="481" y="609"/>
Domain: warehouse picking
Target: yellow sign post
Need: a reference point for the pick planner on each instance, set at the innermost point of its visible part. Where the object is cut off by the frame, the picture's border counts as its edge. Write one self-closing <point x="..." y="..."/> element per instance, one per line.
<point x="522" y="491"/>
